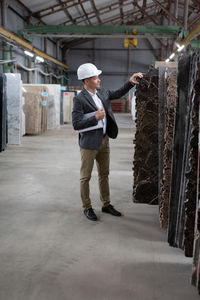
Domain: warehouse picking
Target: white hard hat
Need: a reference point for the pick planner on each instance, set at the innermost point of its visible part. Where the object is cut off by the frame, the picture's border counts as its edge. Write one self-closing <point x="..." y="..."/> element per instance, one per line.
<point x="87" y="70"/>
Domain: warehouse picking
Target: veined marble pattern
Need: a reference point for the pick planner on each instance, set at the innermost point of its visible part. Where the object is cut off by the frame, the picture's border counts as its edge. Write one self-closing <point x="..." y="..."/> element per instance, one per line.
<point x="14" y="95"/>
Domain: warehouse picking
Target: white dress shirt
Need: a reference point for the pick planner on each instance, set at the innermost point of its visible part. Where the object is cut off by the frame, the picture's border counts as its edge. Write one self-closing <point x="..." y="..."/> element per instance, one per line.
<point x="99" y="105"/>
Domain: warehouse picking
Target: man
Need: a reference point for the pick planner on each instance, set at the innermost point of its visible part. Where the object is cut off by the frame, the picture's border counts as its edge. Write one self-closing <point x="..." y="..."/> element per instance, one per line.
<point x="92" y="108"/>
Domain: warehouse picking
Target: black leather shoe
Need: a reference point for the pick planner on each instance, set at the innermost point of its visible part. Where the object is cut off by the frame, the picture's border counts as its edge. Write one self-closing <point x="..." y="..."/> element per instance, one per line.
<point x="90" y="214"/>
<point x="109" y="209"/>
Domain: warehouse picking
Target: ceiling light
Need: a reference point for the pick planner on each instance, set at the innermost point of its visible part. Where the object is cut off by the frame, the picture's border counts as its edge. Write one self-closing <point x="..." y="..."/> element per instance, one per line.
<point x="180" y="48"/>
<point x="39" y="58"/>
<point x="28" y="53"/>
<point x="167" y="60"/>
<point x="172" y="56"/>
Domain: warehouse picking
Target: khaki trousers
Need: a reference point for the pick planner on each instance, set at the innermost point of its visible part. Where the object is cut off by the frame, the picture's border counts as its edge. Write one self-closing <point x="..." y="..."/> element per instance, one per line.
<point x="102" y="156"/>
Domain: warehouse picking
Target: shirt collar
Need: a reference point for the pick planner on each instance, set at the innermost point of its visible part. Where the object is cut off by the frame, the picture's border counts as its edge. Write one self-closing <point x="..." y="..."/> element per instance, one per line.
<point x="92" y="93"/>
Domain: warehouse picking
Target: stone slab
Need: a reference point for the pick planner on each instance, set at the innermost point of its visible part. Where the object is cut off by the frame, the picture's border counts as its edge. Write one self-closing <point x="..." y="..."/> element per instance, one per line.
<point x="14" y="95"/>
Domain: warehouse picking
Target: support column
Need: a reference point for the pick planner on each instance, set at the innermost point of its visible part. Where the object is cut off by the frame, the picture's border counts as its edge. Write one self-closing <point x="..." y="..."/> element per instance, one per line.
<point x="36" y="74"/>
<point x="57" y="49"/>
<point x="5" y="56"/>
<point x="176" y="9"/>
<point x="46" y="71"/>
<point x="11" y="57"/>
<point x="93" y="52"/>
<point x="29" y="72"/>
<point x="45" y="45"/>
<point x="186" y="6"/>
<point x="3" y="13"/>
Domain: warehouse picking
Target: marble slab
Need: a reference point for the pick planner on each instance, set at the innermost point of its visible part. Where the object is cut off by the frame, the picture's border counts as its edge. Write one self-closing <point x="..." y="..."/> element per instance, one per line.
<point x="53" y="102"/>
<point x="14" y="95"/>
<point x="35" y="108"/>
<point x="68" y="106"/>
<point x="3" y="113"/>
<point x="55" y="91"/>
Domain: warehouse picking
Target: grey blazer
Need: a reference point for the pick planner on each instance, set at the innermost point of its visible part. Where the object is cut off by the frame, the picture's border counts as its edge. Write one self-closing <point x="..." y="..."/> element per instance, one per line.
<point x="83" y="104"/>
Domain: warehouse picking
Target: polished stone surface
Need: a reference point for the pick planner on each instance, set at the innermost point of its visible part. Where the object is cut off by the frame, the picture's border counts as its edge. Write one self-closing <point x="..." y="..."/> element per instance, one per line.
<point x="68" y="106"/>
<point x="35" y="108"/>
<point x="3" y="113"/>
<point x="54" y="91"/>
<point x="14" y="95"/>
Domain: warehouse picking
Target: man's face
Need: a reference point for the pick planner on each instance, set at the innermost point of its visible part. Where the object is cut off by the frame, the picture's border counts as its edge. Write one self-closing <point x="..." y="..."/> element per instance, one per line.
<point x="93" y="82"/>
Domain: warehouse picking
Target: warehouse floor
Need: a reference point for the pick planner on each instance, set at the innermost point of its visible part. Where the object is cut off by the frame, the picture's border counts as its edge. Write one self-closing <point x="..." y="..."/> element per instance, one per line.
<point x="50" y="251"/>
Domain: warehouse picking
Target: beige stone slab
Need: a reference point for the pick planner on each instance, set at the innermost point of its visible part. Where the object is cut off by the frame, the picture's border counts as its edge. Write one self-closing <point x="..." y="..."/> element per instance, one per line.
<point x="35" y="112"/>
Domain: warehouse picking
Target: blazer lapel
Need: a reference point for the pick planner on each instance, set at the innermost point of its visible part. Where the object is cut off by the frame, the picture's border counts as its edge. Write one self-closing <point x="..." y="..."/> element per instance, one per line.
<point x="89" y="98"/>
<point x="102" y="100"/>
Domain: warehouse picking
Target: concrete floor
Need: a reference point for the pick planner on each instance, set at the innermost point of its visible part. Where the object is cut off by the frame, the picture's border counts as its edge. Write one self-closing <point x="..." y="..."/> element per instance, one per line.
<point x="50" y="251"/>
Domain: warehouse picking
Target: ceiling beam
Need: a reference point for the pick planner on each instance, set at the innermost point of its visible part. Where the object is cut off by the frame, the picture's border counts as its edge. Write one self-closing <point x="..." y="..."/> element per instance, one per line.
<point x="186" y="13"/>
<point x="101" y="11"/>
<point x="196" y="2"/>
<point x="85" y="14"/>
<point x="145" y="13"/>
<point x="121" y="12"/>
<point x="98" y="29"/>
<point x="144" y="5"/>
<point x="8" y="35"/>
<point x="56" y="8"/>
<point x="152" y="19"/>
<point x="96" y="11"/>
<point x="108" y="8"/>
<point x="193" y="22"/>
<point x="24" y="6"/>
<point x="16" y="12"/>
<point x="66" y="11"/>
<point x="76" y="42"/>
<point x="27" y="19"/>
<point x="167" y="13"/>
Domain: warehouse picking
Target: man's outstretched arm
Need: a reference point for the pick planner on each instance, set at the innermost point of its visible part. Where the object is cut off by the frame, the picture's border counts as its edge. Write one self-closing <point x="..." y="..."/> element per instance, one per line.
<point x="127" y="86"/>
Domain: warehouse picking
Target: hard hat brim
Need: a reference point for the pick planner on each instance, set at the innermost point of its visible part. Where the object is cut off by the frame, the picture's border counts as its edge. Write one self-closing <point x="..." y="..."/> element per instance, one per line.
<point x="99" y="72"/>
<point x="96" y="74"/>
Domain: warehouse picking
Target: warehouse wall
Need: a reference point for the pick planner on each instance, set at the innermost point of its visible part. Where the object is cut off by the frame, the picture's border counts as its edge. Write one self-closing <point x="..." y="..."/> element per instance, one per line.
<point x="113" y="63"/>
<point x="15" y="23"/>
